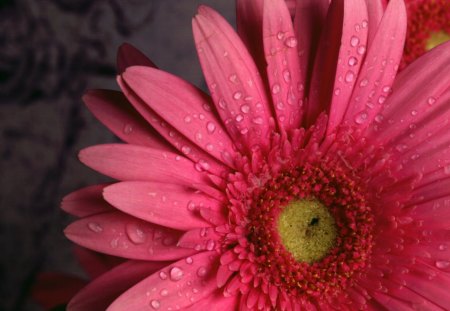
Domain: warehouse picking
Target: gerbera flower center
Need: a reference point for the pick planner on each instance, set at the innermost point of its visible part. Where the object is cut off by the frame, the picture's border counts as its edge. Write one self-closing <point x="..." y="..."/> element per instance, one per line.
<point x="436" y="38"/>
<point x="307" y="230"/>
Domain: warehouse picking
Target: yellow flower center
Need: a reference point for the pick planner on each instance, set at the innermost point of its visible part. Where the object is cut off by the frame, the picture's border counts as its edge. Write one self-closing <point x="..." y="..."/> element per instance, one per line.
<point x="436" y="38"/>
<point x="307" y="230"/>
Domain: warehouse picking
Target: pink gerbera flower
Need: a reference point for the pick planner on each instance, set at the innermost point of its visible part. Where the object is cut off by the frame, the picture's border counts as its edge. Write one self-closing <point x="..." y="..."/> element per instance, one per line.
<point x="312" y="178"/>
<point x="428" y="26"/>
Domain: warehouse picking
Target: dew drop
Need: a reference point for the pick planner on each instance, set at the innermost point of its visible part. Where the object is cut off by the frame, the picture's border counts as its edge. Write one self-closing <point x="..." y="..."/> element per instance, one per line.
<point x="401" y="147"/>
<point x="135" y="234"/>
<point x="379" y="118"/>
<point x="239" y="118"/>
<point x="211" y="127"/>
<point x="363" y="83"/>
<point x="291" y="42"/>
<point x="127" y="129"/>
<point x="155" y="304"/>
<point x="258" y="120"/>
<point x="186" y="149"/>
<point x="280" y="106"/>
<point x="222" y="104"/>
<point x="443" y="247"/>
<point x="354" y="41"/>
<point x="176" y="274"/>
<point x="349" y="76"/>
<point x="361" y="117"/>
<point x="244" y="131"/>
<point x="237" y="95"/>
<point x="381" y="99"/>
<point x="287" y="76"/>
<point x="280" y="35"/>
<point x="188" y="119"/>
<point x="431" y="101"/>
<point x="387" y="89"/>
<point x="164" y="292"/>
<point x="337" y="91"/>
<point x="245" y="108"/>
<point x="201" y="272"/>
<point x="352" y="61"/>
<point x="442" y="264"/>
<point x="210" y="245"/>
<point x="209" y="147"/>
<point x="233" y="78"/>
<point x="404" y="220"/>
<point x="364" y="24"/>
<point x="361" y="50"/>
<point x="414" y="112"/>
<point x="163" y="275"/>
<point x="276" y="89"/>
<point x="114" y="243"/>
<point x="447" y="169"/>
<point x="95" y="227"/>
<point x="189" y="260"/>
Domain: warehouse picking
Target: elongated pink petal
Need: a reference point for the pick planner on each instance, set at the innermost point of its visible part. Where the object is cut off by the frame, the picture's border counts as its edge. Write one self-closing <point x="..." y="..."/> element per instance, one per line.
<point x="179" y="285"/>
<point x="128" y="56"/>
<point x="86" y="201"/>
<point x="121" y="235"/>
<point x="234" y="81"/>
<point x="375" y="10"/>
<point x="310" y="16"/>
<point x="249" y="16"/>
<point x="183" y="106"/>
<point x="216" y="302"/>
<point x="202" y="159"/>
<point x="337" y="57"/>
<point x="380" y="67"/>
<point x="101" y="292"/>
<point x="283" y="69"/>
<point x="129" y="162"/>
<point x="168" y="205"/>
<point x="116" y="113"/>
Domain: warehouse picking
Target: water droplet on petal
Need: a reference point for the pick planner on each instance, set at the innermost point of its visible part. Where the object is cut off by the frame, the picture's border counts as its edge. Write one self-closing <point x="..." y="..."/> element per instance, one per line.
<point x="114" y="243"/>
<point x="233" y="78"/>
<point x="201" y="272"/>
<point x="337" y="91"/>
<point x="379" y="118"/>
<point x="404" y="220"/>
<point x="381" y="99"/>
<point x="155" y="304"/>
<point x="189" y="260"/>
<point x="287" y="76"/>
<point x="244" y="131"/>
<point x="222" y="104"/>
<point x="387" y="89"/>
<point x="361" y="117"/>
<point x="245" y="108"/>
<point x="349" y="76"/>
<point x="237" y="95"/>
<point x="127" y="129"/>
<point x="280" y="106"/>
<point x="163" y="275"/>
<point x="210" y="245"/>
<point x="95" y="227"/>
<point x="164" y="292"/>
<point x="187" y="119"/>
<point x="443" y="247"/>
<point x="363" y="83"/>
<point x="280" y="35"/>
<point x="352" y="61"/>
<point x="209" y="147"/>
<point x="291" y="42"/>
<point x="354" y="41"/>
<point x="258" y="120"/>
<point x="364" y="24"/>
<point x="176" y="274"/>
<point x="447" y="169"/>
<point x="276" y="89"/>
<point x="442" y="264"/>
<point x="431" y="101"/>
<point x="185" y="149"/>
<point x="414" y="112"/>
<point x="361" y="50"/>
<point x="239" y="118"/>
<point x="211" y="127"/>
<point x="135" y="234"/>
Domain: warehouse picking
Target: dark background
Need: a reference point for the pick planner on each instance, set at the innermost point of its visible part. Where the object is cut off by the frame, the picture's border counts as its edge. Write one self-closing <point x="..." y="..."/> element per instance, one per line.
<point x="50" y="52"/>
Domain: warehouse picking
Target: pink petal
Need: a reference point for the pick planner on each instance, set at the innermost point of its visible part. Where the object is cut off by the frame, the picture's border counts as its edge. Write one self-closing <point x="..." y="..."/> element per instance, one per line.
<point x="203" y="160"/>
<point x="234" y="81"/>
<point x="380" y="67"/>
<point x="183" y="106"/>
<point x="338" y="62"/>
<point x="310" y="16"/>
<point x="199" y="239"/>
<point x="168" y="205"/>
<point x="216" y="302"/>
<point x="86" y="201"/>
<point x="128" y="56"/>
<point x="101" y="292"/>
<point x="249" y="16"/>
<point x="129" y="162"/>
<point x="121" y="235"/>
<point x="179" y="285"/>
<point x="283" y="69"/>
<point x="115" y="112"/>
<point x="375" y="10"/>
